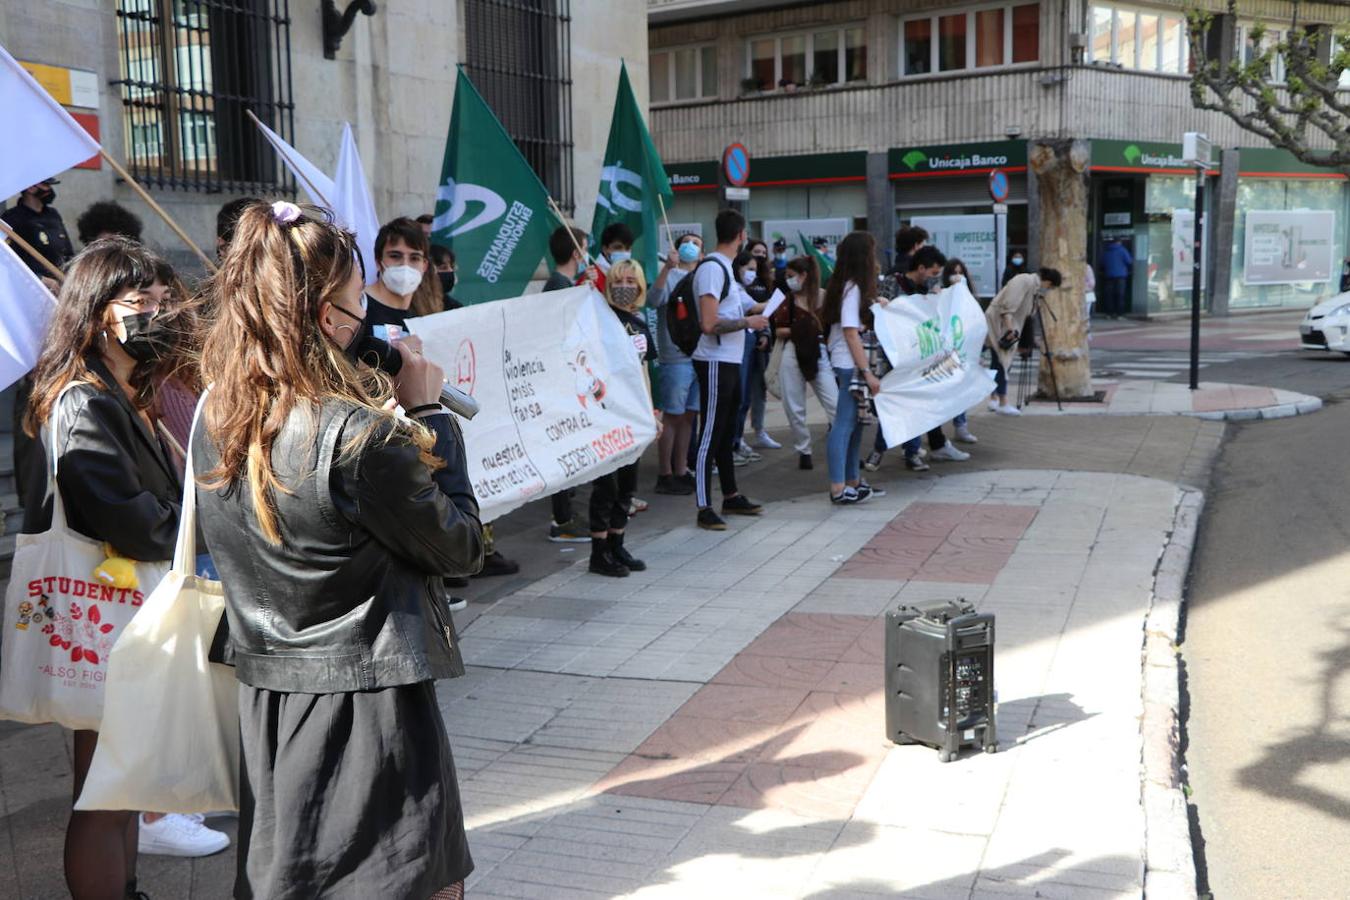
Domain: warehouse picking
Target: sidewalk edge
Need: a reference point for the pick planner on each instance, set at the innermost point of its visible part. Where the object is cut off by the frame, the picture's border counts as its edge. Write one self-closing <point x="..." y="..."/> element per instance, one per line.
<point x="1169" y="859"/>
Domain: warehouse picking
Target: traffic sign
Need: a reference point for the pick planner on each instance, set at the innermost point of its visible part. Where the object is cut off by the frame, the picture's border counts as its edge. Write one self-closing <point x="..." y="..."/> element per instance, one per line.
<point x="738" y="193"/>
<point x="998" y="186"/>
<point x="736" y="165"/>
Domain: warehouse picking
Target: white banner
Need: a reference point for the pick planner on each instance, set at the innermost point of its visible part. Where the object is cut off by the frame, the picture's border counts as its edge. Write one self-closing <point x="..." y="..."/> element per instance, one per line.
<point x="973" y="240"/>
<point x="1183" y="239"/>
<point x="1289" y="247"/>
<point x="561" y="390"/>
<point x="934" y="343"/>
<point x="793" y="230"/>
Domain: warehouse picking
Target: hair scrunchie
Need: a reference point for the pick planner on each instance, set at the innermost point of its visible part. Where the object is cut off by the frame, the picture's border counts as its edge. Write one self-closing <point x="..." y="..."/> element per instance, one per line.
<point x="285" y="212"/>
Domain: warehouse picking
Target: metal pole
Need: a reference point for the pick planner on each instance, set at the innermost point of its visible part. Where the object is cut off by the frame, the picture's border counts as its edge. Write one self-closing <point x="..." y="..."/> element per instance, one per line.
<point x="1196" y="263"/>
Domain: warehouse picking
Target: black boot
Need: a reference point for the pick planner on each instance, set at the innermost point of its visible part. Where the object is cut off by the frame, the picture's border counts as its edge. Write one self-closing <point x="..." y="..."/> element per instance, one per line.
<point x="617" y="551"/>
<point x="603" y="561"/>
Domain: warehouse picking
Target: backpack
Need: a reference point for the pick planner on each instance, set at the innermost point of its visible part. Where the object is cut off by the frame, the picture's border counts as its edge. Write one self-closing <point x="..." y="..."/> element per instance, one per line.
<point x="682" y="319"/>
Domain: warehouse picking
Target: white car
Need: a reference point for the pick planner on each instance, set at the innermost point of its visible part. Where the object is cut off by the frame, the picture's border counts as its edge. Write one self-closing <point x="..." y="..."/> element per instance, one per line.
<point x="1327" y="325"/>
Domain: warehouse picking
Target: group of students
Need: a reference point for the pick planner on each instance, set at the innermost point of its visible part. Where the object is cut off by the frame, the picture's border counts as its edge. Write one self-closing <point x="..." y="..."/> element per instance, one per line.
<point x="705" y="399"/>
<point x="334" y="503"/>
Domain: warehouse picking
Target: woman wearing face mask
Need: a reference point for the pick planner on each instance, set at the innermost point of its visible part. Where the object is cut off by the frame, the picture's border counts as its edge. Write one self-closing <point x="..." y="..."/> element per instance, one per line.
<point x="752" y="271"/>
<point x="612" y="494"/>
<point x="1017" y="265"/>
<point x="332" y="519"/>
<point x="94" y="382"/>
<point x="443" y="258"/>
<point x="806" y="361"/>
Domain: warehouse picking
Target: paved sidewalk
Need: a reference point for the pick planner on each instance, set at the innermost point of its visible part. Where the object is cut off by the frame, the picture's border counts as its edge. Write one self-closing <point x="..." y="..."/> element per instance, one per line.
<point x="1217" y="401"/>
<point x="715" y="725"/>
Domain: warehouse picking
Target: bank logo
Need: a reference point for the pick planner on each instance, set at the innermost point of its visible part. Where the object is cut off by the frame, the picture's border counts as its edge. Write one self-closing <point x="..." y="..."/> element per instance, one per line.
<point x="459" y="196"/>
<point x="612" y="179"/>
<point x="1133" y="154"/>
<point x="913" y="158"/>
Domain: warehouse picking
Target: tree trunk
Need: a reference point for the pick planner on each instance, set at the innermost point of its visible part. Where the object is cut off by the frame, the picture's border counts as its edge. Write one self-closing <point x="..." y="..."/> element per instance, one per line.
<point x="1060" y="168"/>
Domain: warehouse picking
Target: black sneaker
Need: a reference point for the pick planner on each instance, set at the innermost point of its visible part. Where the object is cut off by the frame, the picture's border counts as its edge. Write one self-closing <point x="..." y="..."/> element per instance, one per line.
<point x="666" y="484"/>
<point x="741" y="505"/>
<point x="455" y="581"/>
<point x="865" y="491"/>
<point x="915" y="463"/>
<point x="496" y="564"/>
<point x="572" y="532"/>
<point x="804" y="461"/>
<point x="687" y="479"/>
<point x="873" y="461"/>
<point x="847" y="497"/>
<point x="710" y="520"/>
<point x="604" y="563"/>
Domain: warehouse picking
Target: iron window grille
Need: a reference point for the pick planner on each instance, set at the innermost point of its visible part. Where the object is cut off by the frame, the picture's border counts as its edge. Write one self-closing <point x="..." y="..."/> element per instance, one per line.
<point x="519" y="55"/>
<point x="190" y="71"/>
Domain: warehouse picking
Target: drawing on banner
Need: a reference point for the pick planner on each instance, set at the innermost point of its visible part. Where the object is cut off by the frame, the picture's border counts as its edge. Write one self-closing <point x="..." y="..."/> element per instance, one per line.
<point x="555" y="413"/>
<point x="793" y="230"/>
<point x="1289" y="247"/>
<point x="933" y="343"/>
<point x="972" y="239"/>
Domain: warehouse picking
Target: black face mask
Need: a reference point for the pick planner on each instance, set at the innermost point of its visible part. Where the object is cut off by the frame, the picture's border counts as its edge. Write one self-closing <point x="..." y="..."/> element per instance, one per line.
<point x="447" y="281"/>
<point x="362" y="335"/>
<point x="147" y="340"/>
<point x="47" y="194"/>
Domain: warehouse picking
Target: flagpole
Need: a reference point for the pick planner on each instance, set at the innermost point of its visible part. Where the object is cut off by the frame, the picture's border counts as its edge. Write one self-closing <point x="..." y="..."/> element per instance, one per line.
<point x="670" y="235"/>
<point x="310" y="187"/>
<point x="159" y="210"/>
<point x="570" y="233"/>
<point x="29" y="249"/>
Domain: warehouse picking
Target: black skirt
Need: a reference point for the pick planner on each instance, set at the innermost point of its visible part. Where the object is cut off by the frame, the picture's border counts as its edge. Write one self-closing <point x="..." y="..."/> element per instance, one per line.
<point x="347" y="795"/>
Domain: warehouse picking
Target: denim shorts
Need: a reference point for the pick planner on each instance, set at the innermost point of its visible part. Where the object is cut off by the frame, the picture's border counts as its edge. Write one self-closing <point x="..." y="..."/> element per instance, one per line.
<point x="678" y="390"/>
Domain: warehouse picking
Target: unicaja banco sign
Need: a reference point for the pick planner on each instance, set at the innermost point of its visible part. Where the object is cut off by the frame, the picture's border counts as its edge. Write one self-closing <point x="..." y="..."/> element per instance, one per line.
<point x="1137" y="156"/>
<point x="957" y="158"/>
<point x="914" y="158"/>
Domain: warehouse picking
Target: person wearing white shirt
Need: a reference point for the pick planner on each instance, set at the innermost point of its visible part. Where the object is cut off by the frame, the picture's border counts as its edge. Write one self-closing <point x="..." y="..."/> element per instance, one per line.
<point x="847" y="309"/>
<point x="723" y="320"/>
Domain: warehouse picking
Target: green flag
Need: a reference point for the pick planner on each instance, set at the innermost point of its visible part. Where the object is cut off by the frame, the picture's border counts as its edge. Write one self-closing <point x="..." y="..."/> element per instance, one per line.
<point x="826" y="267"/>
<point x="631" y="180"/>
<point x="491" y="208"/>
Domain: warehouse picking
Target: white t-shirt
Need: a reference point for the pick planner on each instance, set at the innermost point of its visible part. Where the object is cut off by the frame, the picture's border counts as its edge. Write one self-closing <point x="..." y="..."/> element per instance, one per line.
<point x="710" y="280"/>
<point x="850" y="316"/>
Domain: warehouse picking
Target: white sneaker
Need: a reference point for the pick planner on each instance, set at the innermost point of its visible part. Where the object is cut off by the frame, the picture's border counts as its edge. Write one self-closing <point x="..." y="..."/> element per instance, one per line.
<point x="949" y="453"/>
<point x="765" y="442"/>
<point x="964" y="436"/>
<point x="993" y="406"/>
<point x="1008" y="411"/>
<point x="176" y="835"/>
<point x="455" y="604"/>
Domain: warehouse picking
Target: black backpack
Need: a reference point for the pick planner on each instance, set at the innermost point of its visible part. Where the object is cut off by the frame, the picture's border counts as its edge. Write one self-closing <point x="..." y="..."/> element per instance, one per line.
<point x="682" y="311"/>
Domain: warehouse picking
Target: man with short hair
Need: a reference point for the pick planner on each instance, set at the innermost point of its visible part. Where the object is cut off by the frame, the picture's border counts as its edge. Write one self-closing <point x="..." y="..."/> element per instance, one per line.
<point x="107" y="218"/>
<point x="35" y="220"/>
<point x="723" y="319"/>
<point x="907" y="240"/>
<point x="677" y="391"/>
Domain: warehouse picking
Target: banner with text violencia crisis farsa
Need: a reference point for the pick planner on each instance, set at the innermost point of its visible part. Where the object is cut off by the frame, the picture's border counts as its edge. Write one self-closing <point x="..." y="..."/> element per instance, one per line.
<point x="561" y="391"/>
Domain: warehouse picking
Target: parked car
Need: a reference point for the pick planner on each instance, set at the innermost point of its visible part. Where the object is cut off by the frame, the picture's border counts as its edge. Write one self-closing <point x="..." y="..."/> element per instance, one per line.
<point x="1327" y="325"/>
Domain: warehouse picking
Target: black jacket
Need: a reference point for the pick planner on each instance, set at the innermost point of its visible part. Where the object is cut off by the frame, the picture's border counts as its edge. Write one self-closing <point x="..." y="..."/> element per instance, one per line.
<point x="115" y="480"/>
<point x="351" y="599"/>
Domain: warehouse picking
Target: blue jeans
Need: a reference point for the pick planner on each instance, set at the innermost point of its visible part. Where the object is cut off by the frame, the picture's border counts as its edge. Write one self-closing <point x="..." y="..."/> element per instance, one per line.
<point x="841" y="446"/>
<point x="753" y="364"/>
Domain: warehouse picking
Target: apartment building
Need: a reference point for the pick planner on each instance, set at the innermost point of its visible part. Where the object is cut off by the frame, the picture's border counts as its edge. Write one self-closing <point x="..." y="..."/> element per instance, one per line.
<point x="873" y="113"/>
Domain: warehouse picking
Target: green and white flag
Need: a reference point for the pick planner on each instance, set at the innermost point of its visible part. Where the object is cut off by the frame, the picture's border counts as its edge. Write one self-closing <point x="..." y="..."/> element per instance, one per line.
<point x="491" y="208"/>
<point x="631" y="180"/>
<point x="822" y="261"/>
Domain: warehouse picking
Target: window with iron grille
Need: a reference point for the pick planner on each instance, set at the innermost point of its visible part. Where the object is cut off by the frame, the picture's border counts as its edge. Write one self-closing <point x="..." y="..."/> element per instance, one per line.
<point x="190" y="72"/>
<point x="519" y="57"/>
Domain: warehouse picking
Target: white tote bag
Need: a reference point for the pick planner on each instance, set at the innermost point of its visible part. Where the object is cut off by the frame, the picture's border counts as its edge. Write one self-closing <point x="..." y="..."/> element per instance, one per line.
<point x="60" y="622"/>
<point x="169" y="741"/>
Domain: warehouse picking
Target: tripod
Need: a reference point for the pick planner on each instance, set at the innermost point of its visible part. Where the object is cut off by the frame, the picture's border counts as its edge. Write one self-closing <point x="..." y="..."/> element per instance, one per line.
<point x="1035" y="322"/>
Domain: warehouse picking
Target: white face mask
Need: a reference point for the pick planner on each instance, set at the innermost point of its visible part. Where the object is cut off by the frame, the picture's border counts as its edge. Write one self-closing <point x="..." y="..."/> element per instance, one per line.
<point x="402" y="280"/>
<point x="748" y="277"/>
<point x="794" y="284"/>
<point x="958" y="278"/>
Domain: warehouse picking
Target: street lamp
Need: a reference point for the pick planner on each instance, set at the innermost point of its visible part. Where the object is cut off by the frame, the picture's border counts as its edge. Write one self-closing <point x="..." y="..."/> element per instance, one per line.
<point x="1196" y="151"/>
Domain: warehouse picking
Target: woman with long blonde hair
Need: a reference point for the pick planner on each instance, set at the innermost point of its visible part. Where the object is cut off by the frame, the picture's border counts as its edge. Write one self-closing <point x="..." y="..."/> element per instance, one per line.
<point x="331" y="518"/>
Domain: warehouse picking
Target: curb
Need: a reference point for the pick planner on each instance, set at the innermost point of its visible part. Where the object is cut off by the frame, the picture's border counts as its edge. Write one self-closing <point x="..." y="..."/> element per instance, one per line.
<point x="1169" y="859"/>
<point x="1279" y="411"/>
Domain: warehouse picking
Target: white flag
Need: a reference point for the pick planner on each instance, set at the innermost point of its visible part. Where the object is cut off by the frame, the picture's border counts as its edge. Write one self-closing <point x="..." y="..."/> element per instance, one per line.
<point x="317" y="185"/>
<point x="25" y="308"/>
<point x="352" y="204"/>
<point x="46" y="140"/>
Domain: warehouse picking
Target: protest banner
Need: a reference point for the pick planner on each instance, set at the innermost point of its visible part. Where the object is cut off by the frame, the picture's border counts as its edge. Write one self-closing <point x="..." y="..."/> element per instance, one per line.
<point x="560" y="387"/>
<point x="27" y="306"/>
<point x="933" y="342"/>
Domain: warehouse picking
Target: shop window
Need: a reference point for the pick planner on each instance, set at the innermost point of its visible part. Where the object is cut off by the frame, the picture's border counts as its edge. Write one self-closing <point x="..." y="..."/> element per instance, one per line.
<point x="815" y="59"/>
<point x="1139" y="39"/>
<point x="685" y="73"/>
<point x="982" y="38"/>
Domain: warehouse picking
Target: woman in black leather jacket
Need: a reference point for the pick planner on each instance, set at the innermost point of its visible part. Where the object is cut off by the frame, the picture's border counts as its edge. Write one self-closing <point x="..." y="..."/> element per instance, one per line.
<point x="116" y="482"/>
<point x="332" y="520"/>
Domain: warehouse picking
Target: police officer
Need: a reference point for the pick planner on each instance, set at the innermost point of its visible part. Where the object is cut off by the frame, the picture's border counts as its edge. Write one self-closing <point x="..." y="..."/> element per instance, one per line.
<point x="35" y="220"/>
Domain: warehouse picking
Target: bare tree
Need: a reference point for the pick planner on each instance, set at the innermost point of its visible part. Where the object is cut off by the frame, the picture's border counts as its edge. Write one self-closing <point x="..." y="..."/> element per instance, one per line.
<point x="1304" y="114"/>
